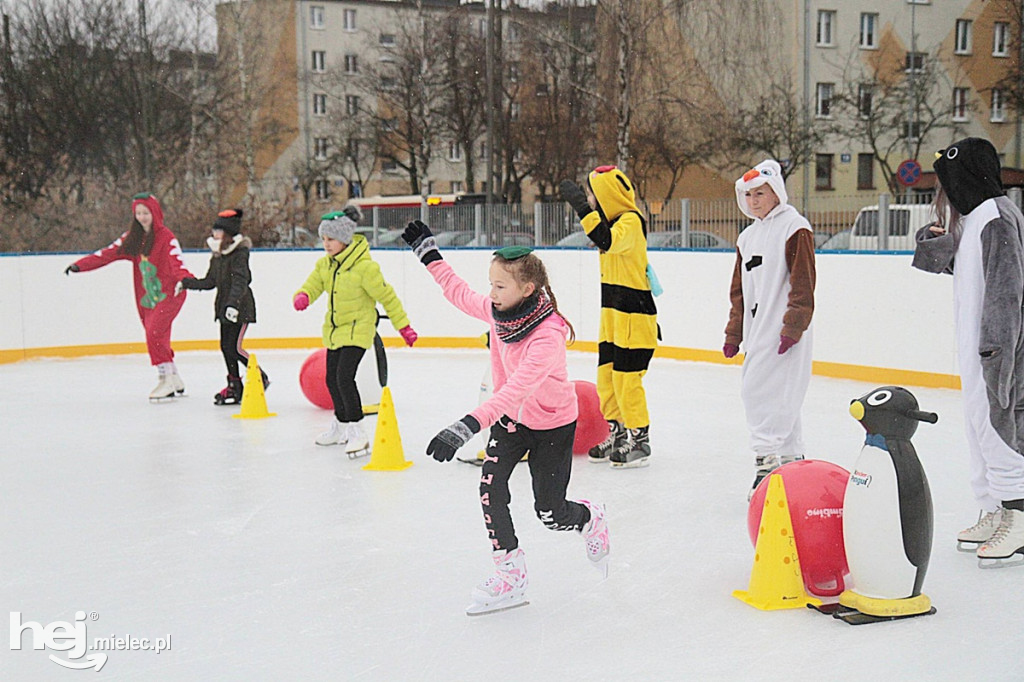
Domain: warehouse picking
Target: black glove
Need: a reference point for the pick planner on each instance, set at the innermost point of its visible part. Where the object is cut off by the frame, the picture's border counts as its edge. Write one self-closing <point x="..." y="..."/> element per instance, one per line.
<point x="71" y="268"/>
<point x="576" y="197"/>
<point x="443" y="446"/>
<point x="419" y="237"/>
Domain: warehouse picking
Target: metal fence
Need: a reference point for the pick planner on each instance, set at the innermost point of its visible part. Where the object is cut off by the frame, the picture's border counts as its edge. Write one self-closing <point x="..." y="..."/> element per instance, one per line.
<point x="684" y="223"/>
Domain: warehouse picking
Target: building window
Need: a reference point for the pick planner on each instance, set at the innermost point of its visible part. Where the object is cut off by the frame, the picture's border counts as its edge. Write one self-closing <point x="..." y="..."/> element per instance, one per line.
<point x="1000" y="39"/>
<point x="351" y="63"/>
<point x="541" y="90"/>
<point x="349" y="23"/>
<point x="352" y="148"/>
<point x="351" y="105"/>
<point x="316" y="16"/>
<point x="323" y="190"/>
<point x="823" y="103"/>
<point x="826" y="27"/>
<point x="319" y="61"/>
<point x="320" y="104"/>
<point x="513" y="72"/>
<point x="823" y="171"/>
<point x="915" y="62"/>
<point x="912" y="130"/>
<point x="865" y="171"/>
<point x="388" y="39"/>
<point x="963" y="37"/>
<point x="513" y="112"/>
<point x="456" y="186"/>
<point x="388" y="82"/>
<point x="455" y="151"/>
<point x="512" y="33"/>
<point x="483" y="150"/>
<point x="865" y="97"/>
<point x="998" y="106"/>
<point x="389" y="166"/>
<point x="869" y="31"/>
<point x="320" y="148"/>
<point x="389" y="124"/>
<point x="960" y="104"/>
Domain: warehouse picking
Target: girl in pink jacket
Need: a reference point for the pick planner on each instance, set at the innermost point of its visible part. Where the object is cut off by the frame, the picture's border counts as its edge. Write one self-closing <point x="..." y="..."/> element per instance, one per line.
<point x="533" y="410"/>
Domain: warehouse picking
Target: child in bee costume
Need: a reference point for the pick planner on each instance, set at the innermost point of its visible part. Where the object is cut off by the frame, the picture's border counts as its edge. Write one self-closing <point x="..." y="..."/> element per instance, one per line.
<point x="628" y="332"/>
<point x="979" y="239"/>
<point x="772" y="302"/>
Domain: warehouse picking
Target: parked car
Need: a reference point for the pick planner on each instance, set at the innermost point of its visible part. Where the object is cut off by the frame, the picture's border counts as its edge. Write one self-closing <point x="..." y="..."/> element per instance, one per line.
<point x="904" y="222"/>
<point x="454" y="238"/>
<point x="696" y="239"/>
<point x="383" y="237"/>
<point x="840" y="241"/>
<point x="504" y="239"/>
<point x="578" y="239"/>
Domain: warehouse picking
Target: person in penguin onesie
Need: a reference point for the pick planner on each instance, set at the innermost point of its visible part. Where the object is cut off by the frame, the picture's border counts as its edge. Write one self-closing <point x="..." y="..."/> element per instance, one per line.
<point x="628" y="331"/>
<point x="981" y="232"/>
<point x="772" y="303"/>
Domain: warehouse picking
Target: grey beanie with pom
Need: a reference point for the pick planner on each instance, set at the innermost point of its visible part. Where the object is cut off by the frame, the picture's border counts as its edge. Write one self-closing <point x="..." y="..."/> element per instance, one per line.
<point x="337" y="225"/>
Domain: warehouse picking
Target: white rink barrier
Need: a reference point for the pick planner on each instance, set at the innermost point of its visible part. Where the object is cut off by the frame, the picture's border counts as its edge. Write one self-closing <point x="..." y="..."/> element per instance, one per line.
<point x="876" y="318"/>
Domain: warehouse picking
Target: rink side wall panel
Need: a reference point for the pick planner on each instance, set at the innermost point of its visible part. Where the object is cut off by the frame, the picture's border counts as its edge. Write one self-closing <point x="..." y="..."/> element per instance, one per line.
<point x="876" y="318"/>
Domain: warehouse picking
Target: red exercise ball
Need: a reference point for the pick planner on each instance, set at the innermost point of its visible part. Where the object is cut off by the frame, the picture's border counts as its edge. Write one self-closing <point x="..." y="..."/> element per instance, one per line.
<point x="312" y="379"/>
<point x="815" y="491"/>
<point x="591" y="426"/>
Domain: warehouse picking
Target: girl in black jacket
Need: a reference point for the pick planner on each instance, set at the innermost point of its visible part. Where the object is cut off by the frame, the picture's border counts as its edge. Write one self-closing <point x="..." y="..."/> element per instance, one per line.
<point x="234" y="307"/>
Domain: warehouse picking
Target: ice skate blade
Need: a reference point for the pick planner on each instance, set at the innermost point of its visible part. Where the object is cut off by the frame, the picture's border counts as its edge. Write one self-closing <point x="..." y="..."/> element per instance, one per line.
<point x="484" y="609"/>
<point x="356" y="454"/>
<point x="635" y="464"/>
<point x="162" y="398"/>
<point x="967" y="546"/>
<point x="602" y="567"/>
<point x="1015" y="559"/>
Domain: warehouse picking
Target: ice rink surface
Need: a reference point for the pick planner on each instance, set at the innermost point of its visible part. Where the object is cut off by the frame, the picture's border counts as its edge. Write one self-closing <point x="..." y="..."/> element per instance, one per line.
<point x="265" y="557"/>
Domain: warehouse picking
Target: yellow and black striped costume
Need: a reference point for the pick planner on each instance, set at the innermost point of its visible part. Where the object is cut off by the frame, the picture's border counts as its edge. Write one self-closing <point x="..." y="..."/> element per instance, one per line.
<point x="628" y="332"/>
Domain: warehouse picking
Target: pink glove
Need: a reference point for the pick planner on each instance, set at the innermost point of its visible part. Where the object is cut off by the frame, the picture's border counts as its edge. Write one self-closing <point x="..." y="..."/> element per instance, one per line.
<point x="301" y="300"/>
<point x="785" y="343"/>
<point x="409" y="335"/>
<point x="730" y="350"/>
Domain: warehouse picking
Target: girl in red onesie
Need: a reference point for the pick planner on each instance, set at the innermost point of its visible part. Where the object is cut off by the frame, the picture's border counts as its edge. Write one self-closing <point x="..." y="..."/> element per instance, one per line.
<point x="156" y="267"/>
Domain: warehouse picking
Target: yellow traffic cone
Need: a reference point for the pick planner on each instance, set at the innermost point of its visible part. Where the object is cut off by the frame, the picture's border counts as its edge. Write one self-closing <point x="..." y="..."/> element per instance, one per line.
<point x="254" y="401"/>
<point x="775" y="580"/>
<point x="387" y="454"/>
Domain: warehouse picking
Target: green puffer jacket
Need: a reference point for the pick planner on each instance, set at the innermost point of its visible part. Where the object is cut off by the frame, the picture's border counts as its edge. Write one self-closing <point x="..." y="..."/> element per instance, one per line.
<point x="354" y="284"/>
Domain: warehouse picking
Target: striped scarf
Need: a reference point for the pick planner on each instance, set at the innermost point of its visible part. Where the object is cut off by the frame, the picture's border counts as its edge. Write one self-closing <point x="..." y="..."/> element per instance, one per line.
<point x="513" y="325"/>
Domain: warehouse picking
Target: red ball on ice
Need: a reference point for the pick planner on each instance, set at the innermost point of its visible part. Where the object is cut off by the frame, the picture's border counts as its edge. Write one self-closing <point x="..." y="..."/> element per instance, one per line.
<point x="313" y="381"/>
<point x="815" y="491"/>
<point x="591" y="427"/>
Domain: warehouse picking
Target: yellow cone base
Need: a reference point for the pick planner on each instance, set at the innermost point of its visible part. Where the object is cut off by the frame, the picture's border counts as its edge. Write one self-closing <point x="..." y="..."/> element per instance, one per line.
<point x="254" y="400"/>
<point x="387" y="453"/>
<point x="887" y="608"/>
<point x="775" y="580"/>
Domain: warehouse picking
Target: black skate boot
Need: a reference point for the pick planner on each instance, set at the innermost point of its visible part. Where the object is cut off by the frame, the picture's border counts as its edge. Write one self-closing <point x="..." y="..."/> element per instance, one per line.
<point x="230" y="394"/>
<point x="617" y="436"/>
<point x="635" y="452"/>
<point x="266" y="379"/>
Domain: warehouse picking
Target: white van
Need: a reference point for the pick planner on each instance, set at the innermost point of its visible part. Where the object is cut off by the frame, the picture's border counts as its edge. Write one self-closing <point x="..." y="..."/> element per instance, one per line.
<point x="904" y="222"/>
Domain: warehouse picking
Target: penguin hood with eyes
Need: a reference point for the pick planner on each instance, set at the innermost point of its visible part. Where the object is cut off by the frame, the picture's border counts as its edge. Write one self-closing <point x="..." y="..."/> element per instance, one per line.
<point x="969" y="172"/>
<point x="890" y="412"/>
<point x="768" y="172"/>
<point x="613" y="190"/>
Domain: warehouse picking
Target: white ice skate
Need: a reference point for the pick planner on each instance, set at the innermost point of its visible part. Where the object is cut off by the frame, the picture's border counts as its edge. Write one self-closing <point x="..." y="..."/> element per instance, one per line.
<point x="164" y="390"/>
<point x="969" y="539"/>
<point x="336" y="435"/>
<point x="1006" y="546"/>
<point x="358" y="445"/>
<point x="177" y="383"/>
<point x="504" y="590"/>
<point x="595" y="534"/>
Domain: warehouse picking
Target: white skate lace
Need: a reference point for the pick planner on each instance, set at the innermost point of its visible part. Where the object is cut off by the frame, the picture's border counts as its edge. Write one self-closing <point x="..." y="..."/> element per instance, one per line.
<point x="984" y="521"/>
<point x="1005" y="526"/>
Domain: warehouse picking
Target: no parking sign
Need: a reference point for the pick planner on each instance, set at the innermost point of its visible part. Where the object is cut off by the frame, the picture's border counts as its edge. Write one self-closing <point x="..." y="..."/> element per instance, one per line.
<point x="909" y="172"/>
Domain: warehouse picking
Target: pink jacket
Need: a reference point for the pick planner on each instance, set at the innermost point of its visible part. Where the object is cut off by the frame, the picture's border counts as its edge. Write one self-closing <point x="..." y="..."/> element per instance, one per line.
<point x="531" y="381"/>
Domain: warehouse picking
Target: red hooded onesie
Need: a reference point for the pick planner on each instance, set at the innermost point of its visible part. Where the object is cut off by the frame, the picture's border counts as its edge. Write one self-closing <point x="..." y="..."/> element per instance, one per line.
<point x="155" y="276"/>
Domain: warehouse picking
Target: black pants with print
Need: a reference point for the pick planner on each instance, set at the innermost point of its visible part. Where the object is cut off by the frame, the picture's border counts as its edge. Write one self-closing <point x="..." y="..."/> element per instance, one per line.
<point x="550" y="464"/>
<point x="342" y="364"/>
<point x="231" y="336"/>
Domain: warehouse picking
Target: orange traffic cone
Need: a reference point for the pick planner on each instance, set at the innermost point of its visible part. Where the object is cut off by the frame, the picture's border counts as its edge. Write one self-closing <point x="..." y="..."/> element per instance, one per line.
<point x="254" y="400"/>
<point x="387" y="454"/>
<point x="775" y="580"/>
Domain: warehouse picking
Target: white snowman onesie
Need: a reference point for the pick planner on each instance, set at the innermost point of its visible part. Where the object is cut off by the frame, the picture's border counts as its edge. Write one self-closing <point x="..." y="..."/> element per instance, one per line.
<point x="772" y="296"/>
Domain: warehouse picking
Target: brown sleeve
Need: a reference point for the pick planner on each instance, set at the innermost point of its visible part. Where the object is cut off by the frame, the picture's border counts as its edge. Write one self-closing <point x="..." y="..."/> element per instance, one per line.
<point x="734" y="328"/>
<point x="800" y="261"/>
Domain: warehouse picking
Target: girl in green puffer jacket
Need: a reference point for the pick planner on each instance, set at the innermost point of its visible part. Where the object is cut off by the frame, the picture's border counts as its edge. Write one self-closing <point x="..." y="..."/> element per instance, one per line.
<point x="354" y="285"/>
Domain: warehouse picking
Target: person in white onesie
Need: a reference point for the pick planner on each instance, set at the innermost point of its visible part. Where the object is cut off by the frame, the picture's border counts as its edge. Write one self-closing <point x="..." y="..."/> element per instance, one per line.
<point x="981" y="232"/>
<point x="772" y="297"/>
